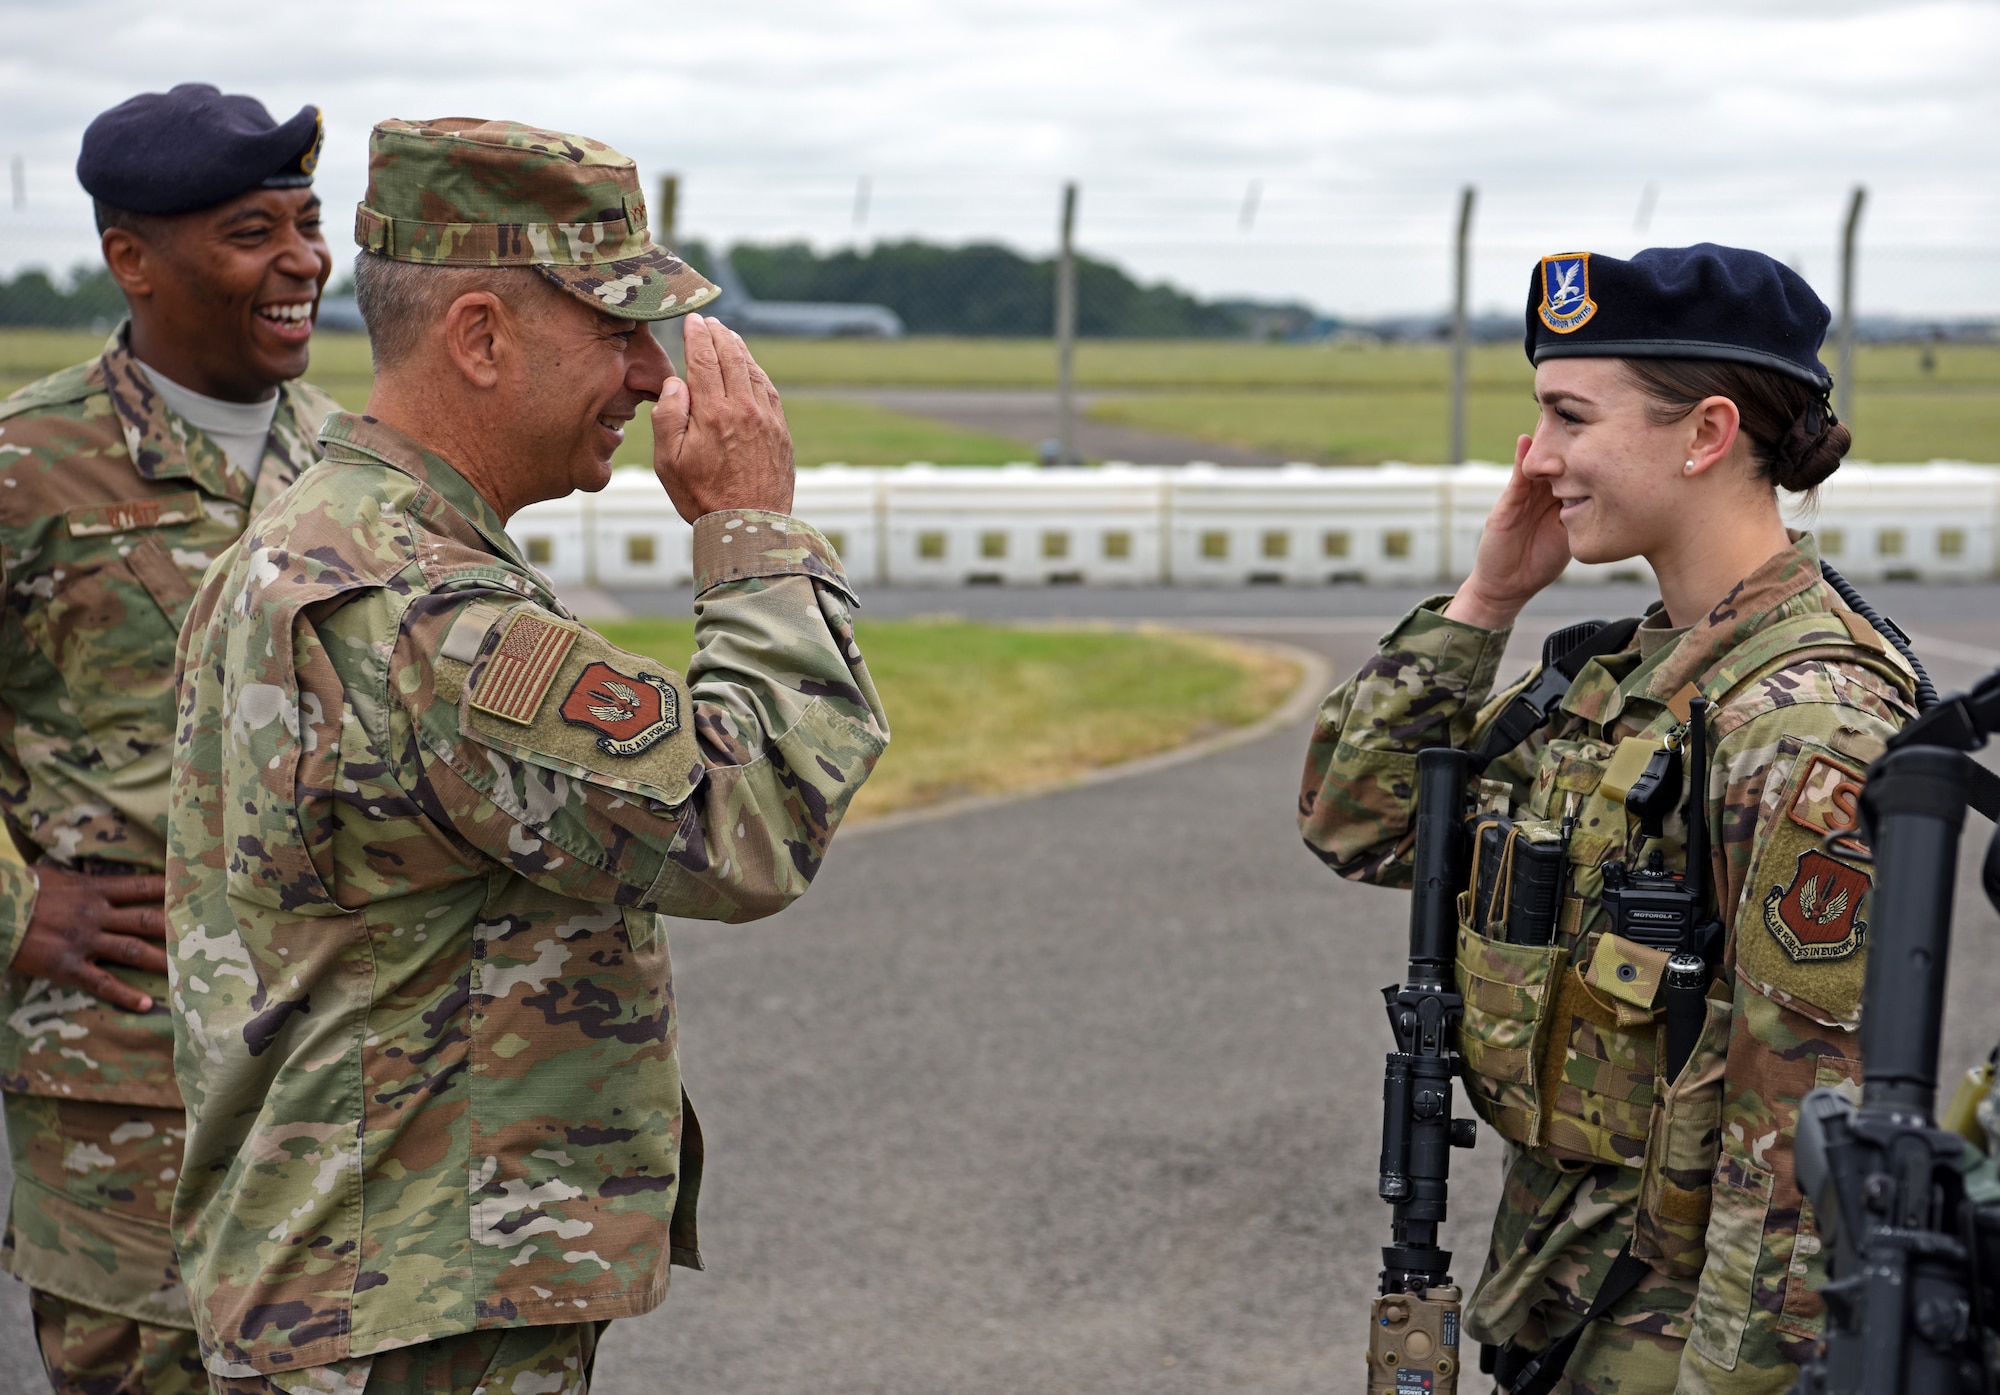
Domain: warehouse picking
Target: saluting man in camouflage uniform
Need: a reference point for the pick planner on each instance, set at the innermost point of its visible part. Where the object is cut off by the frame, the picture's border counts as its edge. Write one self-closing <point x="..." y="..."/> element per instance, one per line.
<point x="425" y="824"/>
<point x="1677" y="392"/>
<point x="120" y="479"/>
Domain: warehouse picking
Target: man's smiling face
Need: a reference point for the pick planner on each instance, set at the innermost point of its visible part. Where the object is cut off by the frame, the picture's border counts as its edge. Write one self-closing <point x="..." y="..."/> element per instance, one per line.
<point x="587" y="374"/>
<point x="235" y="288"/>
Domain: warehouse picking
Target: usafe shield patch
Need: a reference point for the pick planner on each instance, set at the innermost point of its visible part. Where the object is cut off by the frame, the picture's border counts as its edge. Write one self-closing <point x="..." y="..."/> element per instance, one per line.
<point x="629" y="711"/>
<point x="518" y="674"/>
<point x="1818" y="916"/>
<point x="1566" y="304"/>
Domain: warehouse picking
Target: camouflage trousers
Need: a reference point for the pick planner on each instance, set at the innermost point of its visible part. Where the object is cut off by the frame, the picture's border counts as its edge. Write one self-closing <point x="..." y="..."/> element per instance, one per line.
<point x="506" y="1361"/>
<point x="87" y="1230"/>
<point x="1631" y="1350"/>
<point x="90" y="1352"/>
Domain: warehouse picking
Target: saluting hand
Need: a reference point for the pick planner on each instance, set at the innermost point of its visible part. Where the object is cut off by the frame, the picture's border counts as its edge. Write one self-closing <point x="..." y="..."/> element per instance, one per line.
<point x="719" y="439"/>
<point x="80" y="921"/>
<point x="1524" y="548"/>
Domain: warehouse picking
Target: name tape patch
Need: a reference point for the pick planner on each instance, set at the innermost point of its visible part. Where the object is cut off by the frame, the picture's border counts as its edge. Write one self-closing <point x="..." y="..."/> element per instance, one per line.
<point x="517" y="677"/>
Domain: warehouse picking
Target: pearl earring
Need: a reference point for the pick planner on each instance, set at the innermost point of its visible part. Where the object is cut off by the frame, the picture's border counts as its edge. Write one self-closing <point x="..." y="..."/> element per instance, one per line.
<point x="1688" y="468"/>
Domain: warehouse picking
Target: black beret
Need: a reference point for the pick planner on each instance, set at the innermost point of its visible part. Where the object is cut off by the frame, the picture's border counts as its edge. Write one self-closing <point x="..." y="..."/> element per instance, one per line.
<point x="193" y="148"/>
<point x="1702" y="301"/>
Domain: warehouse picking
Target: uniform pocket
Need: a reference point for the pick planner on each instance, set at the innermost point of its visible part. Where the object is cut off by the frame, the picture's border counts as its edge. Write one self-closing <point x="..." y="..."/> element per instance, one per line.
<point x="1506" y="989"/>
<point x="113" y="643"/>
<point x="1735" y="1244"/>
<point x="1599" y="1077"/>
<point x="1675" y="1193"/>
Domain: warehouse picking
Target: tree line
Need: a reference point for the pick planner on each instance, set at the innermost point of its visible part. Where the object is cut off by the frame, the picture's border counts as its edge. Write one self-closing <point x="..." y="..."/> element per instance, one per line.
<point x="980" y="289"/>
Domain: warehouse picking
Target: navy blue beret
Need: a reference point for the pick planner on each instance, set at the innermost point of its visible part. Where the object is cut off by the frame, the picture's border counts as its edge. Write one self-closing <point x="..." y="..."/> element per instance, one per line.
<point x="193" y="148"/>
<point x="1702" y="301"/>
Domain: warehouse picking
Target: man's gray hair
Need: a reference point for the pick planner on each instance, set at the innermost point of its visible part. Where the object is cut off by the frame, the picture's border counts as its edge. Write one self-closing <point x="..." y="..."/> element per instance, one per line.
<point x="400" y="300"/>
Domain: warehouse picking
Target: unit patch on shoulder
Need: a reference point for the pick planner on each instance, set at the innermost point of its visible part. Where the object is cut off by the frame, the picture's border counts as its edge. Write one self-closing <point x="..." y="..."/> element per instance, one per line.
<point x="629" y="711"/>
<point x="1566" y="304"/>
<point x="1818" y="916"/>
<point x="518" y="673"/>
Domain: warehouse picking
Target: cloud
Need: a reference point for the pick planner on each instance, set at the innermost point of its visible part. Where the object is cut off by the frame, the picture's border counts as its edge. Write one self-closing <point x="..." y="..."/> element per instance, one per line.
<point x="1752" y="120"/>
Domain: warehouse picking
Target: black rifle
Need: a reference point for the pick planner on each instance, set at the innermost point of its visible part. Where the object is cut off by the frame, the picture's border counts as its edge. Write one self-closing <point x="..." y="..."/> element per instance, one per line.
<point x="1906" y="1251"/>
<point x="1414" y="1323"/>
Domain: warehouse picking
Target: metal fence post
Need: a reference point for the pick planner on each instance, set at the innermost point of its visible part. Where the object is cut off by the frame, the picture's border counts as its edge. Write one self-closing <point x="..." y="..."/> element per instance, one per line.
<point x="1844" y="388"/>
<point x="1066" y="330"/>
<point x="1460" y="275"/>
<point x="664" y="232"/>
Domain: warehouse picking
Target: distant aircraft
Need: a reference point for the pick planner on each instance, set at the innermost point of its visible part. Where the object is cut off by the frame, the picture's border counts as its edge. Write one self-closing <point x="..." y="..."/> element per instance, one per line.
<point x="802" y="319"/>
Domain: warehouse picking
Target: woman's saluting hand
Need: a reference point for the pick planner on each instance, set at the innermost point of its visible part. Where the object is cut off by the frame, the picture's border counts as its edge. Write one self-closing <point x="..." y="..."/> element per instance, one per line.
<point x="1524" y="547"/>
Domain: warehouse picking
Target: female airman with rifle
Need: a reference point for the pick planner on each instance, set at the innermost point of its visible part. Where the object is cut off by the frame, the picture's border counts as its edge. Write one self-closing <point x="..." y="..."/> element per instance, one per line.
<point x="1651" y="1236"/>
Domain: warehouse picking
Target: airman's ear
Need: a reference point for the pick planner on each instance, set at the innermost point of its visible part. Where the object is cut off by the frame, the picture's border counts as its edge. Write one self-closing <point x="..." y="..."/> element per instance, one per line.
<point x="1712" y="426"/>
<point x="129" y="259"/>
<point x="474" y="329"/>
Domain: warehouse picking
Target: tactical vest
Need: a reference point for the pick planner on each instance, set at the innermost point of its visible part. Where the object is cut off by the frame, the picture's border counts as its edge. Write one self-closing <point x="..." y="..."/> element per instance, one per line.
<point x="1562" y="1043"/>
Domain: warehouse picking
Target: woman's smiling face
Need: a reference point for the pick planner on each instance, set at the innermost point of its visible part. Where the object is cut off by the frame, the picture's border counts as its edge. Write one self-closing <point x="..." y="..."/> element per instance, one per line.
<point x="1611" y="467"/>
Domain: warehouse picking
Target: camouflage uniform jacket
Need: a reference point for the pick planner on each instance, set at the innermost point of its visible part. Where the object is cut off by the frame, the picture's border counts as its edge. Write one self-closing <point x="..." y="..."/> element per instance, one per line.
<point x="1787" y="756"/>
<point x="421" y="825"/>
<point x="111" y="508"/>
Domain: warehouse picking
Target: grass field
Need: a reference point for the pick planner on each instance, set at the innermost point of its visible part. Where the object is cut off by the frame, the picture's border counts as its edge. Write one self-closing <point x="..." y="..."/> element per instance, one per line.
<point x="982" y="710"/>
<point x="1337" y="404"/>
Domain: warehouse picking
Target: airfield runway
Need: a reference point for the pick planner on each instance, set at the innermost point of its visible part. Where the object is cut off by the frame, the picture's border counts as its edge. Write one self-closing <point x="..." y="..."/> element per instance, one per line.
<point x="1080" y="1093"/>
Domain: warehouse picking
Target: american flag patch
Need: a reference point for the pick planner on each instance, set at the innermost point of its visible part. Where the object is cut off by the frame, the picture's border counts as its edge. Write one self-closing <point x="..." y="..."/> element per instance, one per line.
<point x="516" y="678"/>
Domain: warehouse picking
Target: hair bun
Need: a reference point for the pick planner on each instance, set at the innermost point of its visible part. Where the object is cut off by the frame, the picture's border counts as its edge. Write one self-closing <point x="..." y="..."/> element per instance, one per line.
<point x="1810" y="450"/>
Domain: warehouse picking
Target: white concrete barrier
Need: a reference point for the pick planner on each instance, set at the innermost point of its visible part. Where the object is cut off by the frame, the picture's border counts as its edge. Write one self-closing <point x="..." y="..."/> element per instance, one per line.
<point x="845" y="504"/>
<point x="1202" y="524"/>
<point x="1935" y="522"/>
<point x="1018" y="523"/>
<point x="1303" y="523"/>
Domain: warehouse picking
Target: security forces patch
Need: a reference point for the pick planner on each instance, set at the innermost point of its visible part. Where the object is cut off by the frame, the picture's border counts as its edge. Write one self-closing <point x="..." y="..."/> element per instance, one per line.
<point x="1818" y="916"/>
<point x="1566" y="304"/>
<point x="630" y="711"/>
<point x="1828" y="798"/>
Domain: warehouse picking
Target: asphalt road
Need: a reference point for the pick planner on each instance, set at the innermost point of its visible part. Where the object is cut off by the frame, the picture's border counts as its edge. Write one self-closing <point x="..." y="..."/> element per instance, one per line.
<point x="1078" y="1094"/>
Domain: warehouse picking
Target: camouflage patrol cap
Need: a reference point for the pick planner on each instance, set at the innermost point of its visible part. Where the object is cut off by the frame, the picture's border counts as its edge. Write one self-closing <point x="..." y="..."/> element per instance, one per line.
<point x="463" y="192"/>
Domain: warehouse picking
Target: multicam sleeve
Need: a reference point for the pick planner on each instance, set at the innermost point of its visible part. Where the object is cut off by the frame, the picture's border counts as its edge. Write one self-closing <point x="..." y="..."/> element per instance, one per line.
<point x="606" y="776"/>
<point x="1780" y="783"/>
<point x="17" y="900"/>
<point x="1424" y="687"/>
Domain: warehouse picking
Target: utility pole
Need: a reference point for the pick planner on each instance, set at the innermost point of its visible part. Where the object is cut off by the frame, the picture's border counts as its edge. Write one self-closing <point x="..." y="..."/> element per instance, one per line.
<point x="1066" y="330"/>
<point x="1461" y="273"/>
<point x="1843" y="406"/>
<point x="20" y="171"/>
<point x="861" y="192"/>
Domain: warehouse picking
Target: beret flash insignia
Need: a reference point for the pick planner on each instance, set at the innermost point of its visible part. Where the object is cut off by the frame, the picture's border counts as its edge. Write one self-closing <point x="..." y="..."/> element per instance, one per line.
<point x="1566" y="304"/>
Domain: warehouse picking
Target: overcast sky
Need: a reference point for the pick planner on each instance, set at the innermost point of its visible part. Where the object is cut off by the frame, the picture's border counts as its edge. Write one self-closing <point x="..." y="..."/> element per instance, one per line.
<point x="1750" y="120"/>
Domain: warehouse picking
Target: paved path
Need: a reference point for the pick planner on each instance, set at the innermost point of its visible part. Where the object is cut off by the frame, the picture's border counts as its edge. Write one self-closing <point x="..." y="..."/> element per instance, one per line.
<point x="1077" y="1094"/>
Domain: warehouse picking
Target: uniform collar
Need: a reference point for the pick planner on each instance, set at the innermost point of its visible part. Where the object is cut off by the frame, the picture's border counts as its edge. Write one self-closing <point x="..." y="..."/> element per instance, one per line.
<point x="352" y="438"/>
<point x="1786" y="584"/>
<point x="165" y="446"/>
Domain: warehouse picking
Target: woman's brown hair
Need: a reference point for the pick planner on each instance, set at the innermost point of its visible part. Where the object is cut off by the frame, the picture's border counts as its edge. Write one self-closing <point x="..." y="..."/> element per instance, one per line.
<point x="1794" y="436"/>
